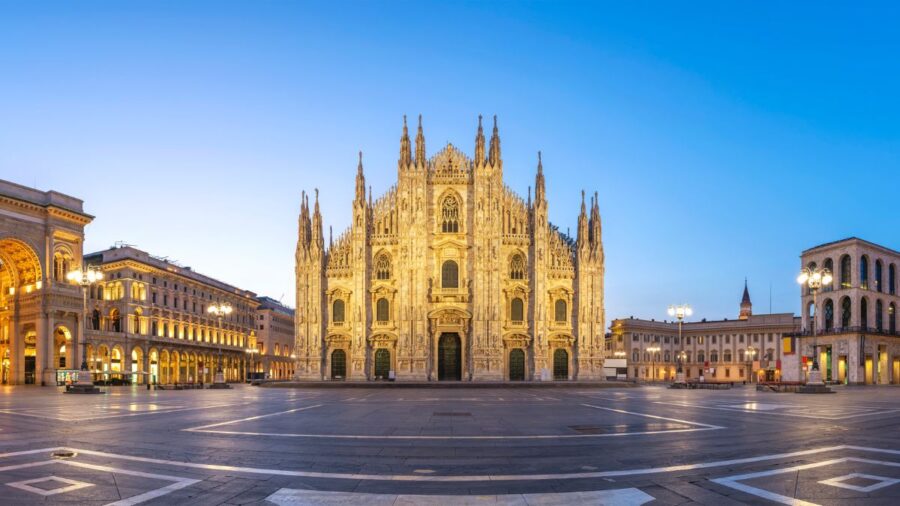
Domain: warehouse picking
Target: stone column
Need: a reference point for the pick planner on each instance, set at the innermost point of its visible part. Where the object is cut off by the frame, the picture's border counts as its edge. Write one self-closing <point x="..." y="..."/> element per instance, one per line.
<point x="40" y="349"/>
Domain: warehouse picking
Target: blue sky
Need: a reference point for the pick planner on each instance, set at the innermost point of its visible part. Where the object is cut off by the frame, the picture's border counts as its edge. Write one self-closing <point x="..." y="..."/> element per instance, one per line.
<point x="723" y="137"/>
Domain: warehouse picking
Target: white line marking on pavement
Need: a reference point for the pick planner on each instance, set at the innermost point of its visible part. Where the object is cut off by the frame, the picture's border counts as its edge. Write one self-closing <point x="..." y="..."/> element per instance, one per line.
<point x="201" y="428"/>
<point x="464" y="478"/>
<point x="618" y="497"/>
<point x="706" y="425"/>
<point x="178" y="482"/>
<point x="124" y="415"/>
<point x="733" y="481"/>
<point x="206" y="429"/>
<point x="819" y="416"/>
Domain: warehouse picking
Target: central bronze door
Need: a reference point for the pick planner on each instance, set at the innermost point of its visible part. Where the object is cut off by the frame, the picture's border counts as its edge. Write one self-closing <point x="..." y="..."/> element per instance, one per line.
<point x="449" y="357"/>
<point x="516" y="365"/>
<point x="382" y="363"/>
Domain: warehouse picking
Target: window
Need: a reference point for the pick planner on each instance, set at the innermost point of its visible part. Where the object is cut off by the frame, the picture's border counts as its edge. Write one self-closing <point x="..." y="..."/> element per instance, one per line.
<point x="829" y="314"/>
<point x="449" y="274"/>
<point x="561" y="311"/>
<point x="864" y="272"/>
<point x="635" y="355"/>
<point x="877" y="279"/>
<point x="713" y="356"/>
<point x="864" y="313"/>
<point x="727" y="357"/>
<point x="845" y="312"/>
<point x="713" y="339"/>
<point x="516" y="310"/>
<point x="741" y="355"/>
<point x="517" y="267"/>
<point x="450" y="215"/>
<point x="845" y="271"/>
<point x="892" y="279"/>
<point x="687" y="340"/>
<point x="879" y="310"/>
<point x="892" y="318"/>
<point x="383" y="267"/>
<point x="701" y="356"/>
<point x="337" y="311"/>
<point x="829" y="266"/>
<point x="382" y="310"/>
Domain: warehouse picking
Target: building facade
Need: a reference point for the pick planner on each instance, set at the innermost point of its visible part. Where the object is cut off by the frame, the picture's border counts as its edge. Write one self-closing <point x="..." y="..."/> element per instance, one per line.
<point x="274" y="354"/>
<point x="450" y="276"/>
<point x="855" y="317"/>
<point x="148" y="320"/>
<point x="744" y="349"/>
<point x="41" y="240"/>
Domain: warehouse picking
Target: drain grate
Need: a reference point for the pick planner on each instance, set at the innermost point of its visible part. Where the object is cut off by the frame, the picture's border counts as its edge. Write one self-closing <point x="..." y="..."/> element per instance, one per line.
<point x="63" y="454"/>
<point x="450" y="413"/>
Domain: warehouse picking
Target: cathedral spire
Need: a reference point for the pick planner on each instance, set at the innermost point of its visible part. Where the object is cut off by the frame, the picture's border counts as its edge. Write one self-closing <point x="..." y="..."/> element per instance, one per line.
<point x="582" y="224"/>
<point x="596" y="229"/>
<point x="479" y="144"/>
<point x="420" y="145"/>
<point x="746" y="305"/>
<point x="494" y="154"/>
<point x="317" y="238"/>
<point x="405" y="154"/>
<point x="360" y="182"/>
<point x="539" y="190"/>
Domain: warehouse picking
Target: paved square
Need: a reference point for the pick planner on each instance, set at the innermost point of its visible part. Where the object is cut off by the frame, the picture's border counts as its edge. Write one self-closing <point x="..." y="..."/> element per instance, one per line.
<point x="523" y="445"/>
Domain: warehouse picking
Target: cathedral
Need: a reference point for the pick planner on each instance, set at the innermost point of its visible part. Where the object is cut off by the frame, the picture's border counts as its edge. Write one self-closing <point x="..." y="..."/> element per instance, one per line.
<point x="450" y="276"/>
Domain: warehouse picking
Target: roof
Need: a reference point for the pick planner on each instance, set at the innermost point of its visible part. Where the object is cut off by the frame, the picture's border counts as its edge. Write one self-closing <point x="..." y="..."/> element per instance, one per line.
<point x="268" y="303"/>
<point x="745" y="300"/>
<point x="849" y="239"/>
<point x="116" y="254"/>
<point x="49" y="198"/>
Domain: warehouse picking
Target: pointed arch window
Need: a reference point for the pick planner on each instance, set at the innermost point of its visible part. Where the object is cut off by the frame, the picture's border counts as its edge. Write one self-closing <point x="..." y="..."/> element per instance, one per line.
<point x="516" y="310"/>
<point x="383" y="267"/>
<point x="845" y="271"/>
<point x="382" y="310"/>
<point x="517" y="267"/>
<point x="892" y="279"/>
<point x="846" y="310"/>
<point x="337" y="311"/>
<point x="449" y="215"/>
<point x="829" y="265"/>
<point x="864" y="272"/>
<point x="879" y="315"/>
<point x="561" y="311"/>
<point x="449" y="274"/>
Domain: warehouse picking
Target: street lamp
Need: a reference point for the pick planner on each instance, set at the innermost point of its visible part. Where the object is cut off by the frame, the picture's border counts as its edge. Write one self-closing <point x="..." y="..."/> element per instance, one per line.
<point x="84" y="278"/>
<point x="653" y="350"/>
<point x="220" y="311"/>
<point x="680" y="311"/>
<point x="815" y="279"/>
<point x="751" y="354"/>
<point x="252" y="352"/>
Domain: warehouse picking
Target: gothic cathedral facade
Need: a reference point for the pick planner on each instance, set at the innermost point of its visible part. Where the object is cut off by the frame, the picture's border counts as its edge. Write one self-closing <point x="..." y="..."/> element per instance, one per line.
<point x="450" y="276"/>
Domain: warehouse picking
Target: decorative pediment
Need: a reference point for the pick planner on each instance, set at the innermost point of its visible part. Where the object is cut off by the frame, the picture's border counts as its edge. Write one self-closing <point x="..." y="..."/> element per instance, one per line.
<point x="561" y="339"/>
<point x="516" y="340"/>
<point x="450" y="161"/>
<point x="382" y="339"/>
<point x="337" y="340"/>
<point x="450" y="316"/>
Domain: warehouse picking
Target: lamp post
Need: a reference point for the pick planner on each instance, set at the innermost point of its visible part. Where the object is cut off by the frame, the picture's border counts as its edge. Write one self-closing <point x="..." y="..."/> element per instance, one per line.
<point x="751" y="354"/>
<point x="252" y="353"/>
<point x="653" y="350"/>
<point x="815" y="279"/>
<point x="84" y="277"/>
<point x="219" y="310"/>
<point x="680" y="311"/>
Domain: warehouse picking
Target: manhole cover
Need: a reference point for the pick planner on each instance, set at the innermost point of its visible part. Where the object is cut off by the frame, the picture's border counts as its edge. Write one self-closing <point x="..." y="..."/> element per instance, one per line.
<point x="588" y="429"/>
<point x="450" y="413"/>
<point x="63" y="454"/>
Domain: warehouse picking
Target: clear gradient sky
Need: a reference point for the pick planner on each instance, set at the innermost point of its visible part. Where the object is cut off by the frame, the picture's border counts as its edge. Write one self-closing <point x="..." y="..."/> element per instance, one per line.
<point x="723" y="137"/>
